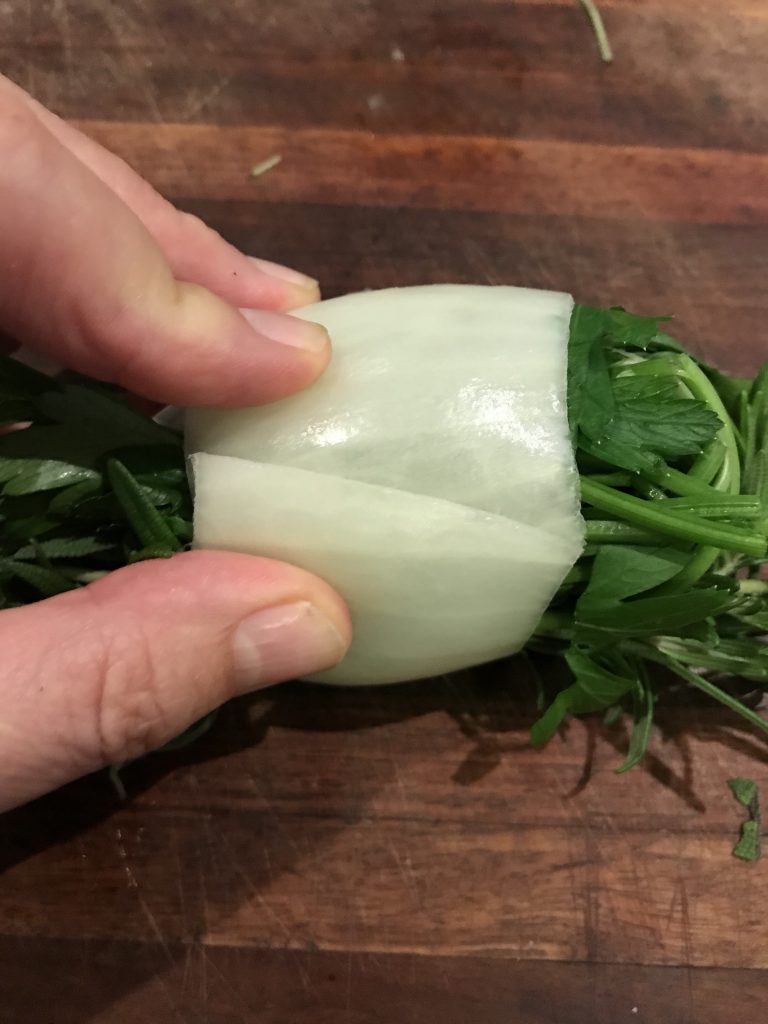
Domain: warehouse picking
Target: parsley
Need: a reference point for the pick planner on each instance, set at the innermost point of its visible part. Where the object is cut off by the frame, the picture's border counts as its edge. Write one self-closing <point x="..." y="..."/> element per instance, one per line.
<point x="265" y="165"/>
<point x="748" y="846"/>
<point x="598" y="28"/>
<point x="673" y="458"/>
<point x="89" y="486"/>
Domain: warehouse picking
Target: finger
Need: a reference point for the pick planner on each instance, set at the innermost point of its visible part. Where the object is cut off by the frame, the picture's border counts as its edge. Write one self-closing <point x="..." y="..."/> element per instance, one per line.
<point x="82" y="280"/>
<point x="102" y="675"/>
<point x="194" y="251"/>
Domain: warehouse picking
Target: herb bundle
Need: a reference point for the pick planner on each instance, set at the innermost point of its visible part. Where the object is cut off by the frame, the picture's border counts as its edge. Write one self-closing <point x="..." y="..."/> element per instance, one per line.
<point x="673" y="462"/>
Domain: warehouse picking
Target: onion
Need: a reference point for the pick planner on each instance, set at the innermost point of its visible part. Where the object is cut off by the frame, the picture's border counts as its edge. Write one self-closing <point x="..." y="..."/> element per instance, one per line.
<point x="428" y="475"/>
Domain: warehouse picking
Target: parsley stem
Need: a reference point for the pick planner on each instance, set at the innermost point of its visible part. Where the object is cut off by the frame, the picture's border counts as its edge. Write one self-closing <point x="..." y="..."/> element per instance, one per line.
<point x="679" y="483"/>
<point x="753" y="587"/>
<point x="728" y="477"/>
<point x="598" y="28"/>
<point x="719" y="506"/>
<point x="612" y="479"/>
<point x="735" y="660"/>
<point x="579" y="573"/>
<point x="653" y="516"/>
<point x="699" y="682"/>
<point x="555" y="624"/>
<point x="707" y="465"/>
<point x="610" y="531"/>
<point x="701" y="562"/>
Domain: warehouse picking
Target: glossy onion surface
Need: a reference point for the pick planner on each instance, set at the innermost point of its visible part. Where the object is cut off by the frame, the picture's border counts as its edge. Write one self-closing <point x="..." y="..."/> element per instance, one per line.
<point x="427" y="475"/>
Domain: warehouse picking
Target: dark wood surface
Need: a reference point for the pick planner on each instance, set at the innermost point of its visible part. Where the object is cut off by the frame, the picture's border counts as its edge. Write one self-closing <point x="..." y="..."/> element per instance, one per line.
<point x="400" y="855"/>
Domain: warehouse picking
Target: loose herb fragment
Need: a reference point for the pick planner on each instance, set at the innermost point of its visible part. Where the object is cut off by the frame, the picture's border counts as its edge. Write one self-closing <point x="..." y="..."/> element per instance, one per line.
<point x="748" y="846"/>
<point x="598" y="28"/>
<point x="266" y="165"/>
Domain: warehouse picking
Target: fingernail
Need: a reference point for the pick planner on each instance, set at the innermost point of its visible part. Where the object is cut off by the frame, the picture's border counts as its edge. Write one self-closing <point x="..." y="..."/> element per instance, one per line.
<point x="283" y="273"/>
<point x="283" y="643"/>
<point x="288" y="330"/>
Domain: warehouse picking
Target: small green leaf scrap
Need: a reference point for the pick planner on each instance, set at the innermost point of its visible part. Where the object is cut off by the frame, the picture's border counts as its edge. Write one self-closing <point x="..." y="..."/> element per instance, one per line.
<point x="748" y="846"/>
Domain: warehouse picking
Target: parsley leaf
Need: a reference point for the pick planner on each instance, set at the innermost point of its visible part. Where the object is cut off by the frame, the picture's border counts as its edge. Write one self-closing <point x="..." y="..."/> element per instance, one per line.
<point x="643" y="701"/>
<point x="651" y="414"/>
<point x="745" y="790"/>
<point x="620" y="571"/>
<point x="595" y="689"/>
<point x="748" y="846"/>
<point x="26" y="476"/>
<point x="587" y="331"/>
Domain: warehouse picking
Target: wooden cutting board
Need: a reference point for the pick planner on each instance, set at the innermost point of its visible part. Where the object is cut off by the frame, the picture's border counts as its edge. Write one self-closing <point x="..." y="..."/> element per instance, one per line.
<point x="401" y="855"/>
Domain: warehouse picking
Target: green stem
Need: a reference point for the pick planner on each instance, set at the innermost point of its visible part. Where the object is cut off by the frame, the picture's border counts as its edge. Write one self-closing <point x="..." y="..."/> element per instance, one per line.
<point x="729" y="478"/>
<point x="558" y="624"/>
<point x="707" y="465"/>
<point x="701" y="562"/>
<point x="699" y="683"/>
<point x="700" y="386"/>
<point x="652" y="516"/>
<point x="598" y="28"/>
<point x="759" y="587"/>
<point x="647" y="490"/>
<point x="579" y="573"/>
<point x="609" y="531"/>
<point x="734" y="663"/>
<point x="612" y="479"/>
<point x="679" y="483"/>
<point x="718" y="506"/>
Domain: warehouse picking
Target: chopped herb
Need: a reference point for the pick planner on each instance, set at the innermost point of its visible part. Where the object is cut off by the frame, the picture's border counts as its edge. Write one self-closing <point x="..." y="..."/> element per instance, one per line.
<point x="266" y="165"/>
<point x="748" y="845"/>
<point x="745" y="791"/>
<point x="598" y="28"/>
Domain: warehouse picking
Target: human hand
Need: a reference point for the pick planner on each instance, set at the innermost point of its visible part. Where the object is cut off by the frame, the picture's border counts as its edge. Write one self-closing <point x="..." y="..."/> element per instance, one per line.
<point x="102" y="274"/>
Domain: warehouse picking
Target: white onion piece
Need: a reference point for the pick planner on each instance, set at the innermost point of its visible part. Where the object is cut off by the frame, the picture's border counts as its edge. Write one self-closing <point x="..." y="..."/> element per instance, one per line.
<point x="433" y="585"/>
<point x="428" y="474"/>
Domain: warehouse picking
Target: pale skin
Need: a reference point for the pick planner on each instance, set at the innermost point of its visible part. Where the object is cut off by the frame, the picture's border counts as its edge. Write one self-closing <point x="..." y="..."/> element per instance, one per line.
<point x="102" y="274"/>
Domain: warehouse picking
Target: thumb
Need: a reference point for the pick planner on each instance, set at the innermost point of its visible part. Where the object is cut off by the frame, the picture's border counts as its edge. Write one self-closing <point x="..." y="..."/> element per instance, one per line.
<point x="105" y="674"/>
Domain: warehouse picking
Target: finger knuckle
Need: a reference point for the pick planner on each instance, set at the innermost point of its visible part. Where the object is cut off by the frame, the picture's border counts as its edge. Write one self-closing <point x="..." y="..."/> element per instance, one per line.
<point x="193" y="223"/>
<point x="196" y="229"/>
<point x="21" y="135"/>
<point x="129" y="715"/>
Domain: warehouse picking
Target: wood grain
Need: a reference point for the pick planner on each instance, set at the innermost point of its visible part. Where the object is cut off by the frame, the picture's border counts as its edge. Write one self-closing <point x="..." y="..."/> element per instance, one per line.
<point x="401" y="854"/>
<point x="371" y="826"/>
<point x="711" y="276"/>
<point x="519" y="175"/>
<point x="116" y="982"/>
<point x="516" y="69"/>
